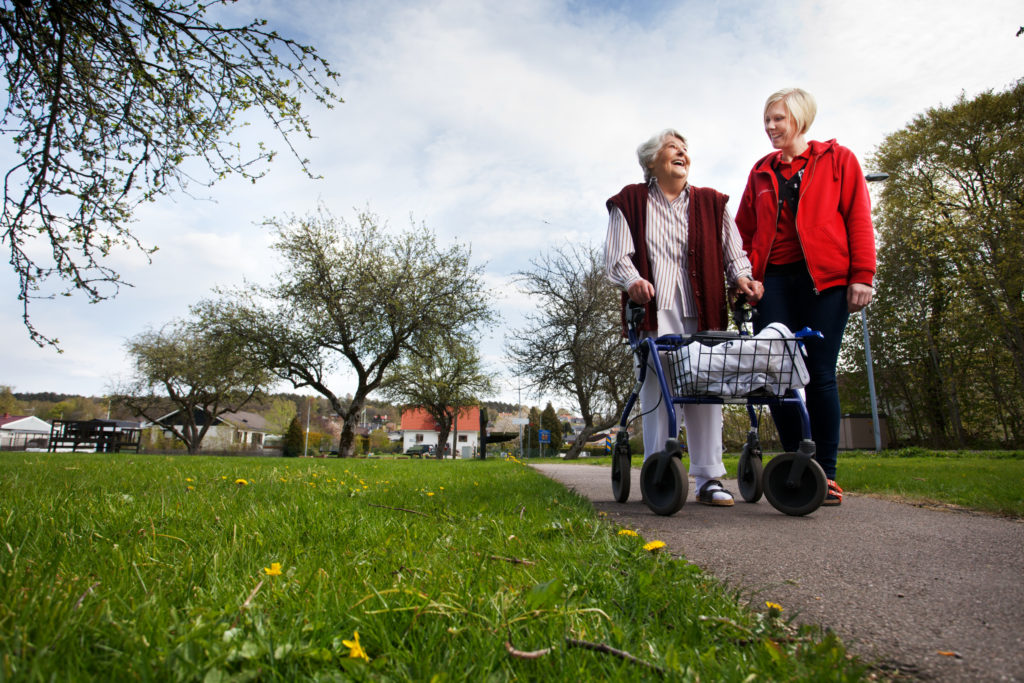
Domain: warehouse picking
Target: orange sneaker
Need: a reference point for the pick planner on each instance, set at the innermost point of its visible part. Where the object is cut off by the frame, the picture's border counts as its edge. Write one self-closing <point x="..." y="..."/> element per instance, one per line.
<point x="834" y="496"/>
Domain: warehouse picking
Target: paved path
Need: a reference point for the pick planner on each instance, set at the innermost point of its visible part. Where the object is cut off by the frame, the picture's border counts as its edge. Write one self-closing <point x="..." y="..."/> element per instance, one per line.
<point x="898" y="583"/>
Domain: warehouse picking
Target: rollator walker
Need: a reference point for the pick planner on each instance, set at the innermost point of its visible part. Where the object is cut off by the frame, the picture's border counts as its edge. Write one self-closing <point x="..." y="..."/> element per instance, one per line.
<point x="723" y="367"/>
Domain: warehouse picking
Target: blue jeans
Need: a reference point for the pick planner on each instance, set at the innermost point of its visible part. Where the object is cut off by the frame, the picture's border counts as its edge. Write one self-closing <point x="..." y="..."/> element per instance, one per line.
<point x="790" y="299"/>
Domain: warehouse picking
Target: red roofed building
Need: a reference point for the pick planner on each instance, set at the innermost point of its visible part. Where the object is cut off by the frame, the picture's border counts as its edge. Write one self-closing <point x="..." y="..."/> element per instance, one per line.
<point x="419" y="429"/>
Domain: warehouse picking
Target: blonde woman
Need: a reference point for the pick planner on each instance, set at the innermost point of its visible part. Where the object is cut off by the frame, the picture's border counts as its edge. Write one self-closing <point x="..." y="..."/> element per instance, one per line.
<point x="805" y="220"/>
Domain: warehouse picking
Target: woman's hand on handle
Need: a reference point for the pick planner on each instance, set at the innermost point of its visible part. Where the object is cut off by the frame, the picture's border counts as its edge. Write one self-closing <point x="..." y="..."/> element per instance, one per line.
<point x="641" y="291"/>
<point x="858" y="296"/>
<point x="752" y="289"/>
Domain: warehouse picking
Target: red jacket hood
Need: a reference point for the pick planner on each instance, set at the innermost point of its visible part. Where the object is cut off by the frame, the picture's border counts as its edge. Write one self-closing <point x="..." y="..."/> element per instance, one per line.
<point x="818" y="148"/>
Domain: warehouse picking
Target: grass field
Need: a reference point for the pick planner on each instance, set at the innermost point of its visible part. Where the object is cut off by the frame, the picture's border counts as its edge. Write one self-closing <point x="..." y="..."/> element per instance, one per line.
<point x="124" y="567"/>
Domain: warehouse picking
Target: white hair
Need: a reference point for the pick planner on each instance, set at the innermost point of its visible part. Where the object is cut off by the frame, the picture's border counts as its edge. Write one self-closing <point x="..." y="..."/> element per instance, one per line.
<point x="646" y="152"/>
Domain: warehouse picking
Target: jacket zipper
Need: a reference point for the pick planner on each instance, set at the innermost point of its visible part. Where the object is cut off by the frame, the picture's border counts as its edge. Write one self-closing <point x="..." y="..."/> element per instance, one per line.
<point x="796" y="224"/>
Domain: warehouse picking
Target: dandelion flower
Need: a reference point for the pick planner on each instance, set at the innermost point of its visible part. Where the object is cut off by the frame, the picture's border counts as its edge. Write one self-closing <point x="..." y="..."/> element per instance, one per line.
<point x="654" y="545"/>
<point x="774" y="608"/>
<point x="431" y="493"/>
<point x="189" y="479"/>
<point x="241" y="482"/>
<point x="273" y="570"/>
<point x="190" y="488"/>
<point x="355" y="650"/>
<point x="627" y="532"/>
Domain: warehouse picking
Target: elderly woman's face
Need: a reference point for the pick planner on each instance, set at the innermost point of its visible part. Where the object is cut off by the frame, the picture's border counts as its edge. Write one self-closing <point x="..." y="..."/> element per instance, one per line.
<point x="779" y="125"/>
<point x="672" y="162"/>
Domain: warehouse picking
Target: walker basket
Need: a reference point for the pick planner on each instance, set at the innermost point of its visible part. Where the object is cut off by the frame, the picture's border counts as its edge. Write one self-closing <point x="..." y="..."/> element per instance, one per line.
<point x="732" y="366"/>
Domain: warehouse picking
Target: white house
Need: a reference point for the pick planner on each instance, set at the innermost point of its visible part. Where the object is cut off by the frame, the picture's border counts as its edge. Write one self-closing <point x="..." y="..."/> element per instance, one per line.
<point x="420" y="429"/>
<point x="20" y="431"/>
<point x="230" y="431"/>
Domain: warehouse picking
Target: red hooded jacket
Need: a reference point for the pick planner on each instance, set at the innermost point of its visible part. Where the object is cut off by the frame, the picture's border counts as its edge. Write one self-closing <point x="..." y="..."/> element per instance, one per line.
<point x="833" y="219"/>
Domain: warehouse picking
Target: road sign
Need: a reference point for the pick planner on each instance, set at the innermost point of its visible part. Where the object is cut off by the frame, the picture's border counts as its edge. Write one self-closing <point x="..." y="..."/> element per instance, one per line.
<point x="544" y="435"/>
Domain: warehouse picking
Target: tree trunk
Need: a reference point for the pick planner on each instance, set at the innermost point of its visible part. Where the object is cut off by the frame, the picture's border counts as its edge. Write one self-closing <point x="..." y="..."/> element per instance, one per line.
<point x="347" y="442"/>
<point x="588" y="430"/>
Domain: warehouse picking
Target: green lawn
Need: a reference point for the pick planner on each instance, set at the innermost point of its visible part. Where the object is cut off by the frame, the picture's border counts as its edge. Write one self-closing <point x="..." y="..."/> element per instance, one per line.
<point x="122" y="567"/>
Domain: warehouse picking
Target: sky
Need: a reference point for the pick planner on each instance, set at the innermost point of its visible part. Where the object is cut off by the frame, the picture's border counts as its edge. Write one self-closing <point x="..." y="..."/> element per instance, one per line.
<point x="505" y="126"/>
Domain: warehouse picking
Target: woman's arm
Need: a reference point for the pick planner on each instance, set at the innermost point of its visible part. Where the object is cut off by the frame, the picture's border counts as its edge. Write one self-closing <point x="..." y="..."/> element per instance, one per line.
<point x="618" y="253"/>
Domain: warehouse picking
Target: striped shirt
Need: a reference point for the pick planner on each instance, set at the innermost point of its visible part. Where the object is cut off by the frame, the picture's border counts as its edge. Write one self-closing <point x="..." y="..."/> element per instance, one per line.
<point x="667" y="229"/>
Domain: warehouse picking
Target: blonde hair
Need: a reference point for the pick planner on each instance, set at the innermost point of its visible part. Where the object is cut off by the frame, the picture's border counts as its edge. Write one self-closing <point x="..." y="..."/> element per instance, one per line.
<point x="646" y="152"/>
<point x="798" y="102"/>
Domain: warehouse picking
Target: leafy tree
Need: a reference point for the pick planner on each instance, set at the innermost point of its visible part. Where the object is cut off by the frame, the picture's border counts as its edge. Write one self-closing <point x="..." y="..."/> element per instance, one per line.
<point x="572" y="343"/>
<point x="354" y="297"/>
<point x="549" y="421"/>
<point x="74" y="408"/>
<point x="280" y="414"/>
<point x="948" y="321"/>
<point x="531" y="433"/>
<point x="379" y="440"/>
<point x="194" y="369"/>
<point x="9" y="405"/>
<point x="442" y="380"/>
<point x="109" y="104"/>
<point x="294" y="440"/>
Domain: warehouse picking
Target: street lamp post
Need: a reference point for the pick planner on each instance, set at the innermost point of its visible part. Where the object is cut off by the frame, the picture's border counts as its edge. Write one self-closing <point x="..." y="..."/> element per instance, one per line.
<point x="872" y="178"/>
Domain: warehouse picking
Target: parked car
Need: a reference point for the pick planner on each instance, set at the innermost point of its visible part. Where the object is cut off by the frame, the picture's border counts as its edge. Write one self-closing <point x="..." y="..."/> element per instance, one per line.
<point x="419" y="451"/>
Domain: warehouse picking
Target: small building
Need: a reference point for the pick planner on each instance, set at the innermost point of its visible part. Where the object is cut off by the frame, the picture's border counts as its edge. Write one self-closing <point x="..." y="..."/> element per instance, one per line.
<point x="230" y="431"/>
<point x="420" y="429"/>
<point x="19" y="432"/>
<point x="857" y="432"/>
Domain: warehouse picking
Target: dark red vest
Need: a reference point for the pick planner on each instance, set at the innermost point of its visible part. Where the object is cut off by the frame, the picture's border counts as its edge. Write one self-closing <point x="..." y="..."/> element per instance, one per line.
<point x="704" y="252"/>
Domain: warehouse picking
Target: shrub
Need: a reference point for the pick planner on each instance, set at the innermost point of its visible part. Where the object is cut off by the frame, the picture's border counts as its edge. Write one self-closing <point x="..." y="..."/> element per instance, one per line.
<point x="293" y="440"/>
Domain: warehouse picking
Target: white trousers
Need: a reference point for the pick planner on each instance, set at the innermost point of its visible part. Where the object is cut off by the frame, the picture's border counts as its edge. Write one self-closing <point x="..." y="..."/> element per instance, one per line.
<point x="703" y="421"/>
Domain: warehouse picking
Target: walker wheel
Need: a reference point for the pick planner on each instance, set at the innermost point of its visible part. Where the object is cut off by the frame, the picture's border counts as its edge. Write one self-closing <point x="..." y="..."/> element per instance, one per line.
<point x="622" y="462"/>
<point x="749" y="474"/>
<point x="806" y="495"/>
<point x="663" y="482"/>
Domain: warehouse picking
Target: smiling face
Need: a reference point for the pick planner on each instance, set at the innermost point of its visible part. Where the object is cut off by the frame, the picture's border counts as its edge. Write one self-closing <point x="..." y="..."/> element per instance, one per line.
<point x="671" y="165"/>
<point x="782" y="130"/>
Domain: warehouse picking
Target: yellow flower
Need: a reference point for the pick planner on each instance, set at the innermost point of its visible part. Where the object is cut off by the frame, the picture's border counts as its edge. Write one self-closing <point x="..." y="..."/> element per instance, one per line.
<point x="627" y="532"/>
<point x="274" y="569"/>
<point x="431" y="493"/>
<point x="241" y="482"/>
<point x="355" y="650"/>
<point x="774" y="608"/>
<point x="190" y="488"/>
<point x="189" y="479"/>
<point x="654" y="545"/>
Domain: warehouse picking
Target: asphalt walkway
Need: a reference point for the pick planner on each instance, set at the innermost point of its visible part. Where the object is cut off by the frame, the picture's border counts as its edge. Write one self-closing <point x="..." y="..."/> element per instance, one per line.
<point x="927" y="593"/>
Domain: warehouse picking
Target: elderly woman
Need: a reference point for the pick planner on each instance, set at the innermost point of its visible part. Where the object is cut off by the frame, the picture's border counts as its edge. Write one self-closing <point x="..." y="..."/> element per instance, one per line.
<point x="672" y="246"/>
<point x="805" y="218"/>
